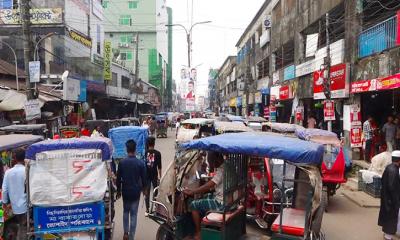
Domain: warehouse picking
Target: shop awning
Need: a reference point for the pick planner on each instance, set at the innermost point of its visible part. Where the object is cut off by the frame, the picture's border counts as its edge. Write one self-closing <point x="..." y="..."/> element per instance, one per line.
<point x="13" y="100"/>
<point x="378" y="84"/>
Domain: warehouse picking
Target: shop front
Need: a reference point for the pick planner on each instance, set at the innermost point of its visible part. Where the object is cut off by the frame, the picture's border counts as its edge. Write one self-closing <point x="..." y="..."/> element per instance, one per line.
<point x="284" y="108"/>
<point x="239" y="106"/>
<point x="232" y="106"/>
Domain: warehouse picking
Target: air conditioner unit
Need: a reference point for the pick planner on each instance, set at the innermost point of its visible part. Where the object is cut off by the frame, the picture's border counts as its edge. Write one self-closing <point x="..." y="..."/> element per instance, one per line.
<point x="241" y="86"/>
<point x="123" y="45"/>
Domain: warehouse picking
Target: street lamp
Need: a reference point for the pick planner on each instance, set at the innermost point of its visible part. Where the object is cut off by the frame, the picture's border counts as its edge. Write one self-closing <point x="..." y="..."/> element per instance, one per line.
<point x="35" y="53"/>
<point x="16" y="62"/>
<point x="188" y="36"/>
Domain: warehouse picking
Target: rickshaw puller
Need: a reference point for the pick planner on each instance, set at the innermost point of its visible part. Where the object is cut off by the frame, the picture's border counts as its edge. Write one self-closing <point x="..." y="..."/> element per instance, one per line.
<point x="201" y="206"/>
<point x="390" y="198"/>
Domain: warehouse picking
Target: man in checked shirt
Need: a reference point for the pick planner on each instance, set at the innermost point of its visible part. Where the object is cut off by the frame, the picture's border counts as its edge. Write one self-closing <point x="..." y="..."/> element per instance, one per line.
<point x="368" y="132"/>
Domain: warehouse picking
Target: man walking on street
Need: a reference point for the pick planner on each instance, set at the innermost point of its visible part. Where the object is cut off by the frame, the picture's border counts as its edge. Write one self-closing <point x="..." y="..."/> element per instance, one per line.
<point x="131" y="180"/>
<point x="153" y="162"/>
<point x="14" y="192"/>
<point x="389" y="129"/>
<point x="390" y="198"/>
<point x="368" y="135"/>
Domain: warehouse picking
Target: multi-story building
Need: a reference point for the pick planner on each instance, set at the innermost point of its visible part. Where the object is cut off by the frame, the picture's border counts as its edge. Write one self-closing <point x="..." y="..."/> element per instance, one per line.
<point x="284" y="53"/>
<point x="212" y="93"/>
<point x="140" y="39"/>
<point x="227" y="87"/>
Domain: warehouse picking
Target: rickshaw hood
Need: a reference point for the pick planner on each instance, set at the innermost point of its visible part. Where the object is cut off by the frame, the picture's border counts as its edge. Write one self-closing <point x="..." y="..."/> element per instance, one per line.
<point x="260" y="144"/>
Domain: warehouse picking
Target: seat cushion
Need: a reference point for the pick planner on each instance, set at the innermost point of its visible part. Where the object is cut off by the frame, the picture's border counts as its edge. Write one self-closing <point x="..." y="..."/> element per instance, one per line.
<point x="214" y="218"/>
<point x="293" y="222"/>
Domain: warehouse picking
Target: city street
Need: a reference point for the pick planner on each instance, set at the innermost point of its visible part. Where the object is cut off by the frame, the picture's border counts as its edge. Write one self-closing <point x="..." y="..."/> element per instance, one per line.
<point x="344" y="220"/>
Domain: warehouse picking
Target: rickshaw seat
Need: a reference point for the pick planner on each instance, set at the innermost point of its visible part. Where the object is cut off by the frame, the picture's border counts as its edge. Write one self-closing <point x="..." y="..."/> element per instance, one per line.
<point x="293" y="222"/>
<point x="216" y="219"/>
<point x="336" y="173"/>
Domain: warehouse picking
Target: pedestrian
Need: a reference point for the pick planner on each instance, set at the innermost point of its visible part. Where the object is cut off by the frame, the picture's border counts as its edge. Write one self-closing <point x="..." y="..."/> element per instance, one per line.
<point x="389" y="129"/>
<point x="97" y="132"/>
<point x="311" y="122"/>
<point x="177" y="125"/>
<point x="390" y="198"/>
<point x="14" y="192"/>
<point x="397" y="140"/>
<point x="131" y="180"/>
<point x="153" y="163"/>
<point x="153" y="126"/>
<point x="368" y="133"/>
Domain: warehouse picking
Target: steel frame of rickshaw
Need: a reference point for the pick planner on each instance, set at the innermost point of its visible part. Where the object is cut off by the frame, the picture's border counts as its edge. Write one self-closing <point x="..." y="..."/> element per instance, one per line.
<point x="169" y="223"/>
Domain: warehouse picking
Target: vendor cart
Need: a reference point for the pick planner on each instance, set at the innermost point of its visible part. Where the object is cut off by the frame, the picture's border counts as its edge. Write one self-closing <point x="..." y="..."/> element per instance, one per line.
<point x="69" y="189"/>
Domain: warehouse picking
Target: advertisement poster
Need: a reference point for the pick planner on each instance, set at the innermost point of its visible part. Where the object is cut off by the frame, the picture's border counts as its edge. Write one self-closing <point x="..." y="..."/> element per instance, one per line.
<point x="329" y="110"/>
<point x="272" y="109"/>
<point x="355" y="137"/>
<point x="339" y="82"/>
<point x="285" y="92"/>
<point x="34" y="71"/>
<point x="386" y="83"/>
<point x="355" y="115"/>
<point x="107" y="61"/>
<point x="32" y="109"/>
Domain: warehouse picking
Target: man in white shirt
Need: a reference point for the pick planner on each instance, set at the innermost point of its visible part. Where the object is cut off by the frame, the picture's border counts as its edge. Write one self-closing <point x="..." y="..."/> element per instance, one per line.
<point x="201" y="206"/>
<point x="14" y="192"/>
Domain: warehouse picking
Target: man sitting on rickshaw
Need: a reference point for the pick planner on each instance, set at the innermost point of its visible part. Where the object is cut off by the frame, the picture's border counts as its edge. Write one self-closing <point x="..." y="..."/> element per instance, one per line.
<point x="199" y="207"/>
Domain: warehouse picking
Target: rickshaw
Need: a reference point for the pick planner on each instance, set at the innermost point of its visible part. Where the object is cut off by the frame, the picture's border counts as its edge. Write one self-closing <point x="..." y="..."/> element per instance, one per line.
<point x="255" y="122"/>
<point x="35" y="129"/>
<point x="129" y="121"/>
<point x="104" y="124"/>
<point x="221" y="127"/>
<point x="194" y="128"/>
<point x="8" y="143"/>
<point x="300" y="219"/>
<point x="283" y="128"/>
<point x="69" y="189"/>
<point x="334" y="163"/>
<point x="162" y="125"/>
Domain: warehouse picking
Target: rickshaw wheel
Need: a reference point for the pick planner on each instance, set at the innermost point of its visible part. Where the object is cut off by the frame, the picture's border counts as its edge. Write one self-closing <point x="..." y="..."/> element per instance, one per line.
<point x="164" y="233"/>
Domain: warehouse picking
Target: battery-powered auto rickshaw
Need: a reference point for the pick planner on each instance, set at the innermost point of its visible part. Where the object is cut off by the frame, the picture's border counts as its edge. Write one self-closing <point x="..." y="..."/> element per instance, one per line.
<point x="255" y="122"/>
<point x="300" y="219"/>
<point x="221" y="127"/>
<point x="162" y="125"/>
<point x="69" y="189"/>
<point x="8" y="143"/>
<point x="129" y="121"/>
<point x="333" y="167"/>
<point x="104" y="125"/>
<point x="194" y="128"/>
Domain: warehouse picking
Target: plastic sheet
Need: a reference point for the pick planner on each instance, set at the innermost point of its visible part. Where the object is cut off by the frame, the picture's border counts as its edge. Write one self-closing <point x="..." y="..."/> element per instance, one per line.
<point x="120" y="135"/>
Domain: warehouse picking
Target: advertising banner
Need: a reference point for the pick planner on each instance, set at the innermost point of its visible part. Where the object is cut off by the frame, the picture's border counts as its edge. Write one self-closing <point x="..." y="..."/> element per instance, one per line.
<point x="34" y="71"/>
<point x="107" y="61"/>
<point x="38" y="16"/>
<point x="272" y="109"/>
<point x="79" y="37"/>
<point x="329" y="110"/>
<point x="74" y="90"/>
<point x="387" y="83"/>
<point x="89" y="215"/>
<point x="32" y="109"/>
<point x="355" y="137"/>
<point x="285" y="92"/>
<point x="67" y="177"/>
<point x="339" y="82"/>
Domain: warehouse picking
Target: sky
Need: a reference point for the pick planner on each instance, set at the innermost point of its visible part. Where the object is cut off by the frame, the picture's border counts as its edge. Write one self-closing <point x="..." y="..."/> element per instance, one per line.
<point x="212" y="42"/>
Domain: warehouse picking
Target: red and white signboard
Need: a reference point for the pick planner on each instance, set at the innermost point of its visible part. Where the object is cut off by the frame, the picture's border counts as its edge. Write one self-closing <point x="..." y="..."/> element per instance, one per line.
<point x="339" y="82"/>
<point x="355" y="137"/>
<point x="329" y="110"/>
<point x="387" y="83"/>
<point x="285" y="92"/>
<point x="355" y="115"/>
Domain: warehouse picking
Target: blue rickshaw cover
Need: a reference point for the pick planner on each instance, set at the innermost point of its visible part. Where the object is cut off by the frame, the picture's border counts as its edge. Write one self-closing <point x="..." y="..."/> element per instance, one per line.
<point x="261" y="144"/>
<point x="120" y="135"/>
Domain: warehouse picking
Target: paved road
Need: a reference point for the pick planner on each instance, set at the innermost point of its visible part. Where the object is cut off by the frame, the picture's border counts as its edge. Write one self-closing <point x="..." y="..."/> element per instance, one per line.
<point x="344" y="220"/>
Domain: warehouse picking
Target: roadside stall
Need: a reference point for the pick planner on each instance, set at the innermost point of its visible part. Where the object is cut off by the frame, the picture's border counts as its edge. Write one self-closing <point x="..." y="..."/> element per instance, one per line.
<point x="68" y="189"/>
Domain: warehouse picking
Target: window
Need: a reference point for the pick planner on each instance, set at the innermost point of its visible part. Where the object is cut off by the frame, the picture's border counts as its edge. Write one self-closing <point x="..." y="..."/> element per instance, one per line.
<point x="125" y="20"/>
<point x="126" y="38"/>
<point x="132" y="4"/>
<point x="125" y="82"/>
<point x="105" y="4"/>
<point x="98" y="36"/>
<point x="128" y="55"/>
<point x="114" y="81"/>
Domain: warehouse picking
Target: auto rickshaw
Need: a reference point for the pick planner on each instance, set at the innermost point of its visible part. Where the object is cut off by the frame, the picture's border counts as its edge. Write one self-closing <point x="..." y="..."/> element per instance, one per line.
<point x="69" y="189"/>
<point x="221" y="127"/>
<point x="255" y="122"/>
<point x="35" y="129"/>
<point x="334" y="163"/>
<point x="129" y="121"/>
<point x="300" y="219"/>
<point x="194" y="128"/>
<point x="104" y="124"/>
<point x="162" y="125"/>
<point x="8" y="143"/>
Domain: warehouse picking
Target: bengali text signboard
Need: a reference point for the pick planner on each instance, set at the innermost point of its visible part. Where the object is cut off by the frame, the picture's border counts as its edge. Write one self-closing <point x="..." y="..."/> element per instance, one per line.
<point x="38" y="16"/>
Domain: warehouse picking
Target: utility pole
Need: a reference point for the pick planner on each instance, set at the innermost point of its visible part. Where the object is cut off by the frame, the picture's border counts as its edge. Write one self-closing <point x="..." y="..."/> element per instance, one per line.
<point x="327" y="83"/>
<point x="189" y="48"/>
<point x="24" y="8"/>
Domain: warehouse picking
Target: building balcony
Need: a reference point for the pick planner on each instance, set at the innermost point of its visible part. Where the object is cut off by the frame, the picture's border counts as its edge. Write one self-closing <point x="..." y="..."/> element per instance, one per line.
<point x="378" y="38"/>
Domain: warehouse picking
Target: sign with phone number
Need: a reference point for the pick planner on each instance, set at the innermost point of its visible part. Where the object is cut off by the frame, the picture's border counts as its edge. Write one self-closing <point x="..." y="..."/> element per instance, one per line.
<point x="81" y="216"/>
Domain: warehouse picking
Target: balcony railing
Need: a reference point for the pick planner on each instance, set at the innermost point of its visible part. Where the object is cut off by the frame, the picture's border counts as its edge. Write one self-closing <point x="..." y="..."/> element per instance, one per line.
<point x="378" y="38"/>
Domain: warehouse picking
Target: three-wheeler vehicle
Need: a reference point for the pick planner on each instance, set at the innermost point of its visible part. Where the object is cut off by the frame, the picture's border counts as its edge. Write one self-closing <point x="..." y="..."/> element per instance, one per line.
<point x="34" y="129"/>
<point x="194" y="128"/>
<point x="104" y="125"/>
<point x="69" y="189"/>
<point x="333" y="167"/>
<point x="8" y="143"/>
<point x="129" y="121"/>
<point x="162" y="125"/>
<point x="221" y="127"/>
<point x="300" y="219"/>
<point x="255" y="122"/>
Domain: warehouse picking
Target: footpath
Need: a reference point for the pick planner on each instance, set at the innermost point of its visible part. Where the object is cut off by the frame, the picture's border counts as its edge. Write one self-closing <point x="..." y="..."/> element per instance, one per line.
<point x="350" y="189"/>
